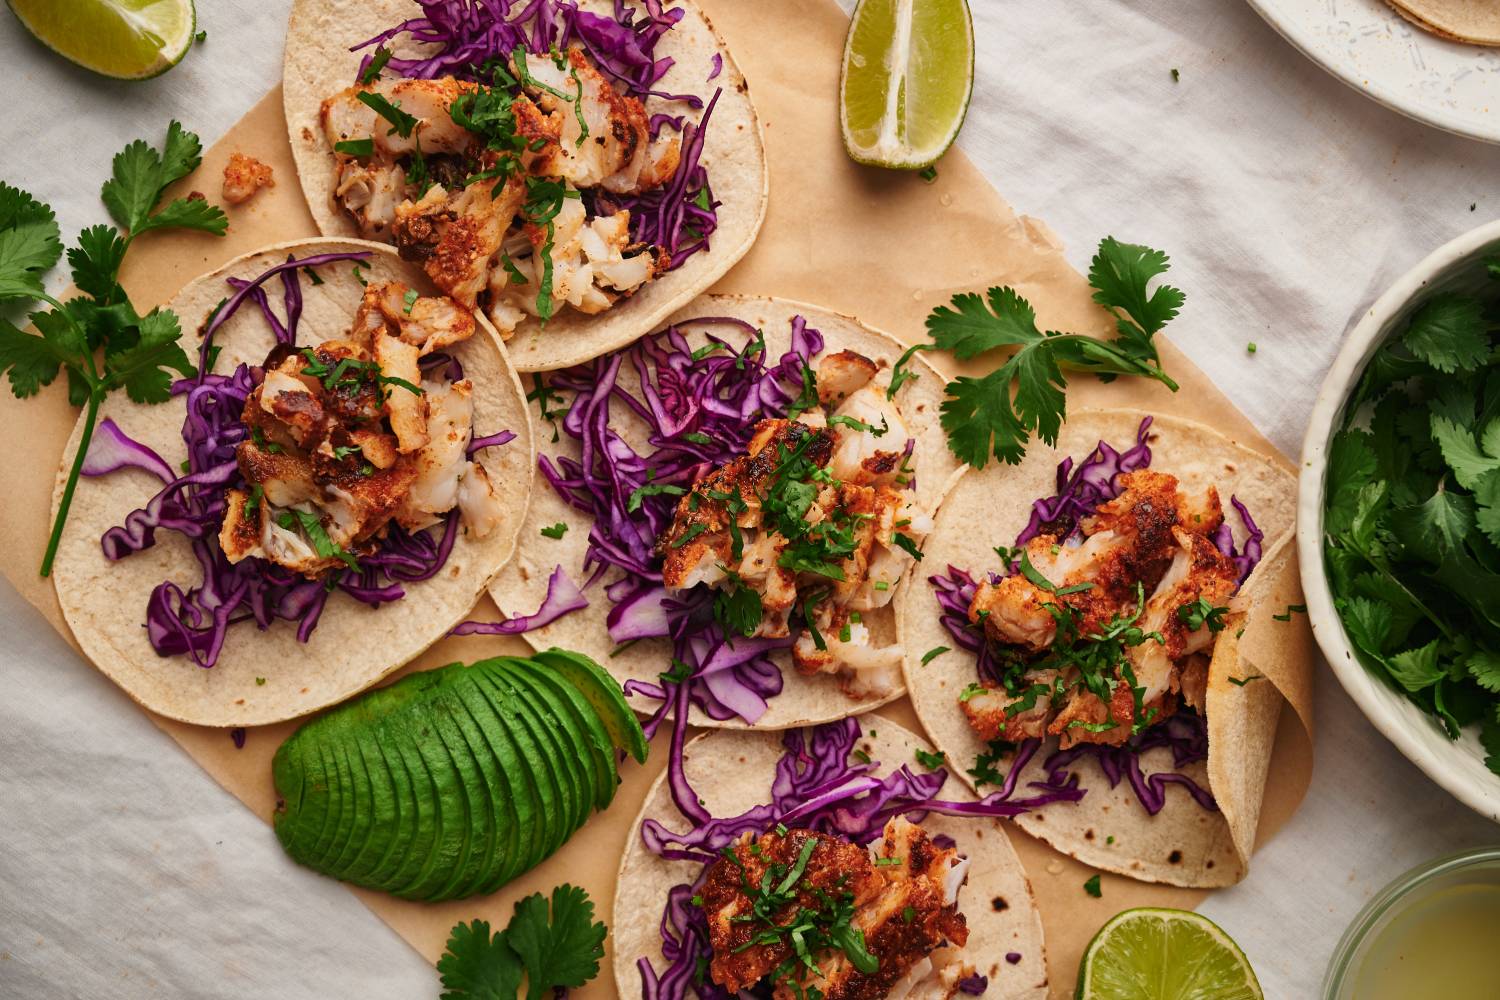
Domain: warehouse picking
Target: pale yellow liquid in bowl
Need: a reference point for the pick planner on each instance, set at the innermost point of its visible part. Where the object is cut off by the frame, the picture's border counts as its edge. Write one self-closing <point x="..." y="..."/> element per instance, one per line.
<point x="1441" y="943"/>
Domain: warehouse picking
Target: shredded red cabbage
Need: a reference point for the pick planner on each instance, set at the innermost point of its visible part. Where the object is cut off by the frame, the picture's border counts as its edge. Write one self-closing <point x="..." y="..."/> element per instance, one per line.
<point x="194" y="621"/>
<point x="700" y="412"/>
<point x="819" y="786"/>
<point x="1079" y="492"/>
<point x="563" y="596"/>
<point x="111" y="450"/>
<point x="467" y="34"/>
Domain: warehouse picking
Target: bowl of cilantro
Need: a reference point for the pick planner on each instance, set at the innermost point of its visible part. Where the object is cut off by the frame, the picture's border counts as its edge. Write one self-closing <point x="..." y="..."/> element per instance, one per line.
<point x="1399" y="517"/>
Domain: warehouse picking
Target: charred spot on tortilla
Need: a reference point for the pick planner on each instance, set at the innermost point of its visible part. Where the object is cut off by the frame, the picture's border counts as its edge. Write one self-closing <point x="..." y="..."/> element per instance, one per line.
<point x="1175" y="858"/>
<point x="998" y="904"/>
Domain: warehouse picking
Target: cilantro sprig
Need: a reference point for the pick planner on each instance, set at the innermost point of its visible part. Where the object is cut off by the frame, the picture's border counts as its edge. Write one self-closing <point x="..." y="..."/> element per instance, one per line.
<point x="996" y="414"/>
<point x="97" y="338"/>
<point x="1412" y="513"/>
<point x="554" y="950"/>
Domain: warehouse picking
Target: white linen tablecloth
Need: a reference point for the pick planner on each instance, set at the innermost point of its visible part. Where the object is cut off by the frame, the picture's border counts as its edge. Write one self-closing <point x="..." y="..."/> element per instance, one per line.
<point x="1286" y="201"/>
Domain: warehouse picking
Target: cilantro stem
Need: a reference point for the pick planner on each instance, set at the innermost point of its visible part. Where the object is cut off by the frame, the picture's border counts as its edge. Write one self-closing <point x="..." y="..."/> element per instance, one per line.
<point x="91" y="415"/>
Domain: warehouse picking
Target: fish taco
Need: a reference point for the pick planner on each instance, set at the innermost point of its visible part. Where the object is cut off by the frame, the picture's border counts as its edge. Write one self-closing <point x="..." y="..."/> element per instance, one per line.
<point x="321" y="500"/>
<point x="575" y="171"/>
<point x="833" y="862"/>
<point x="1112" y="616"/>
<point x="727" y="510"/>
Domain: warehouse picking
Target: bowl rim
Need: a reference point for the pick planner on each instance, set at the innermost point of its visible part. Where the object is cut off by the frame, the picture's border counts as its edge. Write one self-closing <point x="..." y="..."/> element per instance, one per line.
<point x="1327" y="628"/>
<point x="1396" y="892"/>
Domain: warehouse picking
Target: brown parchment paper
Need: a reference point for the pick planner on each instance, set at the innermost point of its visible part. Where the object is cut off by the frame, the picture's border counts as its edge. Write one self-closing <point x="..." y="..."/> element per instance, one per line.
<point x="883" y="246"/>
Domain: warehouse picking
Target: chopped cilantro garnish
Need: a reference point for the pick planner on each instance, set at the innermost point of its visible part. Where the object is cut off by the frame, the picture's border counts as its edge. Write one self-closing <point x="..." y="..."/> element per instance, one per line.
<point x="355" y="147"/>
<point x="931" y="761"/>
<point x="1093" y="888"/>
<point x="401" y="123"/>
<point x="556" y="531"/>
<point x="933" y="654"/>
<point x="377" y="63"/>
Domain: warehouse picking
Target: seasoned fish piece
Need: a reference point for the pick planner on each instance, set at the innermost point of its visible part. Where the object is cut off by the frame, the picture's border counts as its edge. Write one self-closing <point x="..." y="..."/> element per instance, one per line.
<point x="403" y="403"/>
<point x="617" y="153"/>
<point x="455" y="236"/>
<point x="1152" y="541"/>
<point x="346" y="118"/>
<point x="903" y="890"/>
<point x="243" y="176"/>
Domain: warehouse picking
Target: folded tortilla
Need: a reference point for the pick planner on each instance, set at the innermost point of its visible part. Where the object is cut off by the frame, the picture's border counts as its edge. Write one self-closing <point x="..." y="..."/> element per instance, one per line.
<point x="732" y="771"/>
<point x="318" y="64"/>
<point x="354" y="644"/>
<point x="1476" y="21"/>
<point x="1184" y="844"/>
<point x="520" y="588"/>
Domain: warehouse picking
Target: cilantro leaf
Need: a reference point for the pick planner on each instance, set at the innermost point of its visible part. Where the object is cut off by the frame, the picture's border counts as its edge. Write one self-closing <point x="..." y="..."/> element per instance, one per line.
<point x="31" y="360"/>
<point x="96" y="261"/>
<point x="1121" y="274"/>
<point x="1448" y="332"/>
<point x="478" y="965"/>
<point x="141" y="174"/>
<point x="563" y="952"/>
<point x="188" y="213"/>
<point x="997" y="413"/>
<point x="1484" y="666"/>
<point x="1367" y="623"/>
<point x="1437" y="527"/>
<point x="29" y="243"/>
<point x="968" y="329"/>
<point x="145" y="370"/>
<point x="1468" y="462"/>
<point x="1351" y="465"/>
<point x="1415" y="669"/>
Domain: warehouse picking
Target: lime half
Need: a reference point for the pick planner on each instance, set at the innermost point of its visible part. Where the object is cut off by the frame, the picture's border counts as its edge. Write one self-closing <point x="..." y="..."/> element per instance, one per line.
<point x="907" y="76"/>
<point x="125" y="39"/>
<point x="1156" y="954"/>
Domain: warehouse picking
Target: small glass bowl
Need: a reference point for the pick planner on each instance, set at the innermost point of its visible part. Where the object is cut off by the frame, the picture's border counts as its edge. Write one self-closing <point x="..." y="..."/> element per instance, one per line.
<point x="1482" y="864"/>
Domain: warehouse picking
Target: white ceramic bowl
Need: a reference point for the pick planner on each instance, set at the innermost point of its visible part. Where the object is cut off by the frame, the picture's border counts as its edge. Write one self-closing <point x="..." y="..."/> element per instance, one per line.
<point x="1457" y="765"/>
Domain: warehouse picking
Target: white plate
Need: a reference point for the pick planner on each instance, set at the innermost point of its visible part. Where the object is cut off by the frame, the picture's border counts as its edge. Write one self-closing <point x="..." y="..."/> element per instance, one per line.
<point x="1379" y="53"/>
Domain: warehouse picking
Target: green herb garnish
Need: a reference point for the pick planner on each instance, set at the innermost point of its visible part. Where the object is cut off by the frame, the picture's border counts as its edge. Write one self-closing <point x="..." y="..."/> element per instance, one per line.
<point x="997" y="413"/>
<point x="98" y="338"/>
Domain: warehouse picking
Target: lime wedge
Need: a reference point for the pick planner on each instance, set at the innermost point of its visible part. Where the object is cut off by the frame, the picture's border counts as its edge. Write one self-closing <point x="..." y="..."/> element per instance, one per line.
<point x="907" y="76"/>
<point x="1156" y="954"/>
<point x="125" y="39"/>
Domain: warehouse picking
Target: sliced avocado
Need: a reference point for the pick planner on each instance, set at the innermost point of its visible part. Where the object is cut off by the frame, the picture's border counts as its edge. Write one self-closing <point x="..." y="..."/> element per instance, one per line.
<point x="404" y="831"/>
<point x="375" y="815"/>
<point x="500" y="826"/>
<point x="550" y="797"/>
<point x="579" y="720"/>
<point x="451" y="803"/>
<point x="428" y="809"/>
<point x="299" y="821"/>
<point x="355" y="818"/>
<point x="514" y="793"/>
<point x="472" y="791"/>
<point x="603" y="692"/>
<point x="387" y="807"/>
<point x="321" y="851"/>
<point x="569" y="760"/>
<point x="561" y="757"/>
